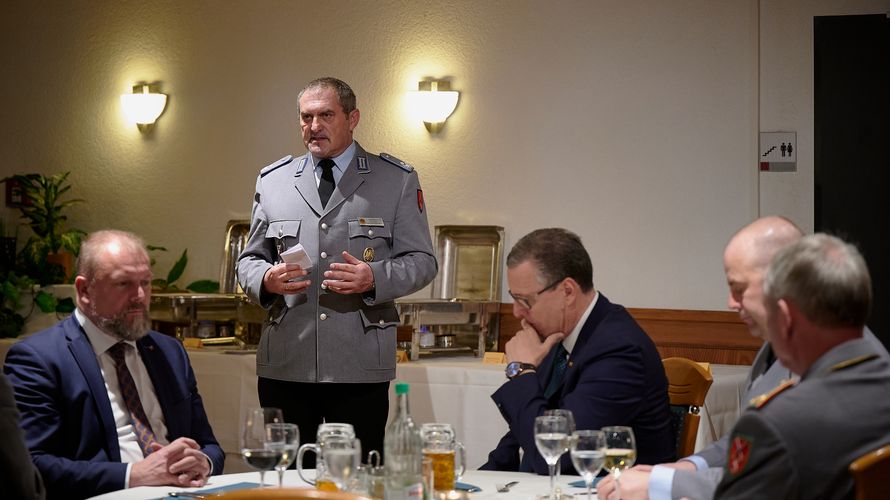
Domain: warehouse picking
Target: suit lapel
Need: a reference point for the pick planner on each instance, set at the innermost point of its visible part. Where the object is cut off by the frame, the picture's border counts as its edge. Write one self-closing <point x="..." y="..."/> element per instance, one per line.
<point x="305" y="182"/>
<point x="85" y="357"/>
<point x="160" y="372"/>
<point x="350" y="181"/>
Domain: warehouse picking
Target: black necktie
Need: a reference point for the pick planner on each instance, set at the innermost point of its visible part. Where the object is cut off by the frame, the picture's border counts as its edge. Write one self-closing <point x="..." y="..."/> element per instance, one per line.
<point x="326" y="184"/>
<point x="560" y="361"/>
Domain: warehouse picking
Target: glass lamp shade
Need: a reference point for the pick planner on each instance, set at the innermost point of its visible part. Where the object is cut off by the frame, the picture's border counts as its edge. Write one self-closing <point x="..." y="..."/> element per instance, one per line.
<point x="143" y="108"/>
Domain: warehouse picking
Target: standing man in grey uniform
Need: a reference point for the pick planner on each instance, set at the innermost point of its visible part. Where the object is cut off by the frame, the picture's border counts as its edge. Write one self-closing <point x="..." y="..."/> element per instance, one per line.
<point x="798" y="441"/>
<point x="745" y="261"/>
<point x="327" y="351"/>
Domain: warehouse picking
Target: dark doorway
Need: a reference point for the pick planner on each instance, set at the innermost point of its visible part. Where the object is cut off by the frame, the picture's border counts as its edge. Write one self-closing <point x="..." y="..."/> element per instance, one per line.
<point x="852" y="143"/>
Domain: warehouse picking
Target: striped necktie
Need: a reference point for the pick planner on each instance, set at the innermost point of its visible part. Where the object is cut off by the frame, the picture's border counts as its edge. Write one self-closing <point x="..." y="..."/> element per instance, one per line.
<point x="141" y="426"/>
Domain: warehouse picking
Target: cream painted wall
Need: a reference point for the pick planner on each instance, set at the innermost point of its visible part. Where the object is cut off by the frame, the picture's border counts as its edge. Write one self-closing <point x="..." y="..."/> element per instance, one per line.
<point x="631" y="123"/>
<point x="787" y="92"/>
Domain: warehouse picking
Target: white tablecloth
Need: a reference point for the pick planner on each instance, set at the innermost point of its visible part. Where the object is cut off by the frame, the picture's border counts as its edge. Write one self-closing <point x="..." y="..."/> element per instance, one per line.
<point x="457" y="391"/>
<point x="529" y="485"/>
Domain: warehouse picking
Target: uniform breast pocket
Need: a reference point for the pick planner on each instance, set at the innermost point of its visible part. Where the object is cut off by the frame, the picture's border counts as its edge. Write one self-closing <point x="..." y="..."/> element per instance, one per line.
<point x="370" y="242"/>
<point x="283" y="234"/>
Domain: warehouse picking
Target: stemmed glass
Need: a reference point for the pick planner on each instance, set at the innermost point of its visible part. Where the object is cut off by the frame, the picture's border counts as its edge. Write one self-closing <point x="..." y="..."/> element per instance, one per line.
<point x="258" y="451"/>
<point x="621" y="451"/>
<point x="571" y="418"/>
<point x="552" y="437"/>
<point x="588" y="455"/>
<point x="342" y="457"/>
<point x="289" y="437"/>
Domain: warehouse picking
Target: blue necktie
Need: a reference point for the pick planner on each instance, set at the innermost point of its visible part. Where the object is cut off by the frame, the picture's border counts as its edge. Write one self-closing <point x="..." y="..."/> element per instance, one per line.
<point x="560" y="362"/>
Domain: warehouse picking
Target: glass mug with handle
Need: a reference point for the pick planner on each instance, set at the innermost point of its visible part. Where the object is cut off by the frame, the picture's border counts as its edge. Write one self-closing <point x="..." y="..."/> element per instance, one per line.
<point x="448" y="456"/>
<point x="325" y="431"/>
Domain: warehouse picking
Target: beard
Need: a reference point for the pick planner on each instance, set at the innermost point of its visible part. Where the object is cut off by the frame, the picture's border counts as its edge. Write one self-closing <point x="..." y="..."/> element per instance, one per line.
<point x="120" y="326"/>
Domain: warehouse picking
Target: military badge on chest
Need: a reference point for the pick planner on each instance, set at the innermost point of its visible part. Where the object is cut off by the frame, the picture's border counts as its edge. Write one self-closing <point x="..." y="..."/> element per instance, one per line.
<point x="368" y="254"/>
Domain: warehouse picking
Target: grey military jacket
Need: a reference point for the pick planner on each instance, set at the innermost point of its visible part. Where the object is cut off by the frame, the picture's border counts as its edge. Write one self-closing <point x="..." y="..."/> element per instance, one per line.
<point x="798" y="442"/>
<point x="377" y="214"/>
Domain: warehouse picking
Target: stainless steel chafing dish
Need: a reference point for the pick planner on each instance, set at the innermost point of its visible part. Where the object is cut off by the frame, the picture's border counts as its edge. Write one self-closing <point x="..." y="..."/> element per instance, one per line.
<point x="229" y="313"/>
<point x="464" y="307"/>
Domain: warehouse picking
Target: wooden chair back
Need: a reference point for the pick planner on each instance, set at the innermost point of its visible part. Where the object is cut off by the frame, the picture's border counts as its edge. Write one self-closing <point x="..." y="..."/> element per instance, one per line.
<point x="870" y="473"/>
<point x="688" y="384"/>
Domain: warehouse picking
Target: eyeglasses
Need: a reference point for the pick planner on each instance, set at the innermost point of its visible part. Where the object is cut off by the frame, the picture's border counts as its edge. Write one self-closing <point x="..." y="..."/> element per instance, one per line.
<point x="528" y="303"/>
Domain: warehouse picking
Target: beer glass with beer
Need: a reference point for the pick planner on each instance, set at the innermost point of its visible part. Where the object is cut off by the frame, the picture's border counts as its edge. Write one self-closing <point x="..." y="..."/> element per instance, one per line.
<point x="325" y="431"/>
<point x="448" y="455"/>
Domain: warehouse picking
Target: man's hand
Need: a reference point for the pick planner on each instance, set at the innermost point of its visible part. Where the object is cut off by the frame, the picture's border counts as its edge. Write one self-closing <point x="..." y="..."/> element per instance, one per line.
<point x="527" y="346"/>
<point x="353" y="276"/>
<point x="180" y="463"/>
<point x="634" y="484"/>
<point x="278" y="279"/>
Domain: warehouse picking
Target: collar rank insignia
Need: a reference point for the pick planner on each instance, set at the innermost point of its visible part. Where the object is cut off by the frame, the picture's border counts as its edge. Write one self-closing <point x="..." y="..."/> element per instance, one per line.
<point x="362" y="164"/>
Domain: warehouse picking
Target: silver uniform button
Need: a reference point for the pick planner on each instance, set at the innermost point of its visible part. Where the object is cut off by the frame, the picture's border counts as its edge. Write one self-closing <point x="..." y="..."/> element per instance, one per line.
<point x="324" y="255"/>
<point x="322" y="316"/>
<point x="324" y="286"/>
<point x="381" y="321"/>
<point x="324" y="225"/>
<point x="370" y="232"/>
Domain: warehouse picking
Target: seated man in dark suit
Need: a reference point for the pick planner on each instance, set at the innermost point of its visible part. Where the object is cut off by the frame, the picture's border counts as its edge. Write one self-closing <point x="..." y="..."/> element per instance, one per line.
<point x="576" y="351"/>
<point x="107" y="404"/>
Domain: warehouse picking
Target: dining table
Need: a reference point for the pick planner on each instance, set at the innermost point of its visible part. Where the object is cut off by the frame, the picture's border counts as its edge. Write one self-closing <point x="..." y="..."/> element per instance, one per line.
<point x="527" y="485"/>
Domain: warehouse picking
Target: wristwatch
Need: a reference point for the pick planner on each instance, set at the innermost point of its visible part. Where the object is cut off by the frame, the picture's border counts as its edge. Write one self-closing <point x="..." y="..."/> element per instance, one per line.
<point x="517" y="368"/>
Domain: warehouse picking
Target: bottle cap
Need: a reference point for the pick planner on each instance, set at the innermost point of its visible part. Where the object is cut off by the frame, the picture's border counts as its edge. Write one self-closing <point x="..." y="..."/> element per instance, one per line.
<point x="401" y="388"/>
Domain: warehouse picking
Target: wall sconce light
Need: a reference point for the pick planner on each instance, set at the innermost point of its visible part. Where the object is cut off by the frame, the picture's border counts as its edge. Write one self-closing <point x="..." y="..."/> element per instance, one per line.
<point x="144" y="105"/>
<point x="435" y="101"/>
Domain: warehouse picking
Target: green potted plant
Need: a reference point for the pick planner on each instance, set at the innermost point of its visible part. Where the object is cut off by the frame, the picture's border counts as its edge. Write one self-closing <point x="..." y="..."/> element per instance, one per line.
<point x="48" y="255"/>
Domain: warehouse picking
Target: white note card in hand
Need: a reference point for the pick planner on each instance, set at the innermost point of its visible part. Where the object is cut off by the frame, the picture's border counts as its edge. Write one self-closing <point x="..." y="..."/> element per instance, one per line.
<point x="297" y="255"/>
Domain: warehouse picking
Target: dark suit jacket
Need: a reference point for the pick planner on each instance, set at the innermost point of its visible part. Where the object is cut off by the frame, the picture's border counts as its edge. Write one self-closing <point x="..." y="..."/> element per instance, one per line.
<point x="18" y="476"/>
<point x="615" y="377"/>
<point x="67" y="417"/>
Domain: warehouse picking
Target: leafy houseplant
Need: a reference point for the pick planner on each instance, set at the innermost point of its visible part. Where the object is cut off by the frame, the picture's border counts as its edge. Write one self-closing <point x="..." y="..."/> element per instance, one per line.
<point x="48" y="254"/>
<point x="169" y="284"/>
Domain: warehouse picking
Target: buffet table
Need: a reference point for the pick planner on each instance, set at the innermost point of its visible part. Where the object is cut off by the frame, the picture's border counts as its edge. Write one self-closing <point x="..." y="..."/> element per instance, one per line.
<point x="453" y="390"/>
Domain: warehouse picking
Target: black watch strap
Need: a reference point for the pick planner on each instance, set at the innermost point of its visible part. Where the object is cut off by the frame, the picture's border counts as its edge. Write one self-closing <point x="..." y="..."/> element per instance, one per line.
<point x="517" y="368"/>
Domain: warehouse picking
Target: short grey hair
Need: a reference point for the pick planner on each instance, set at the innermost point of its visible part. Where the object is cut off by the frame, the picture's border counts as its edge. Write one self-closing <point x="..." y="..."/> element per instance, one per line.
<point x="823" y="276"/>
<point x="344" y="92"/>
<point x="92" y="246"/>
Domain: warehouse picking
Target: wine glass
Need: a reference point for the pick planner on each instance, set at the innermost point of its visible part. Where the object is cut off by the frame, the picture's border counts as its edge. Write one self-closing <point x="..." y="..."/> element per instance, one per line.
<point x="571" y="418"/>
<point x="588" y="455"/>
<point x="342" y="457"/>
<point x="621" y="451"/>
<point x="552" y="437"/>
<point x="289" y="437"/>
<point x="258" y="451"/>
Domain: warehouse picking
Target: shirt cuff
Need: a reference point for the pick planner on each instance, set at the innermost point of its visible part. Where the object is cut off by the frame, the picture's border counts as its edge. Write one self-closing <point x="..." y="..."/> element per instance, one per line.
<point x="127" y="476"/>
<point x="660" y="481"/>
<point x="209" y="462"/>
<point x="699" y="462"/>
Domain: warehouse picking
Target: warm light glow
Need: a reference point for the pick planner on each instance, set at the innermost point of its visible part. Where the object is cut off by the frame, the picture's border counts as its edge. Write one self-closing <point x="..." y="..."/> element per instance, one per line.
<point x="143" y="108"/>
<point x="434" y="102"/>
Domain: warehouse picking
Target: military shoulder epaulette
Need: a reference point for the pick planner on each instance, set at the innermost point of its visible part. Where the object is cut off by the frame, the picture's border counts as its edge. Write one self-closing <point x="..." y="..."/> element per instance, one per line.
<point x="272" y="166"/>
<point x="763" y="399"/>
<point x="397" y="162"/>
<point x="853" y="362"/>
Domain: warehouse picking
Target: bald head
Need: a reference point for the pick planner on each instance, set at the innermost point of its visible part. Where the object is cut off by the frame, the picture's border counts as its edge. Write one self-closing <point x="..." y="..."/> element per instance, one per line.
<point x="745" y="260"/>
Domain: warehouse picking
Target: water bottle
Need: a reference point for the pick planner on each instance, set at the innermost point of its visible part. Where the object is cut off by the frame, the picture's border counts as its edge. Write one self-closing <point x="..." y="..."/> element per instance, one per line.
<point x="403" y="453"/>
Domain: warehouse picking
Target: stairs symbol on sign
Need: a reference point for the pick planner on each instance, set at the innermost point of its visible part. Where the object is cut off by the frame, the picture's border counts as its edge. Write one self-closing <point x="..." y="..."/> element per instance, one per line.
<point x="768" y="151"/>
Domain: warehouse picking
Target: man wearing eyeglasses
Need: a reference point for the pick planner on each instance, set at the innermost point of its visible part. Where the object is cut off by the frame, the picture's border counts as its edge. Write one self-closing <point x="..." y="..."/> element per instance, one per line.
<point x="575" y="351"/>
